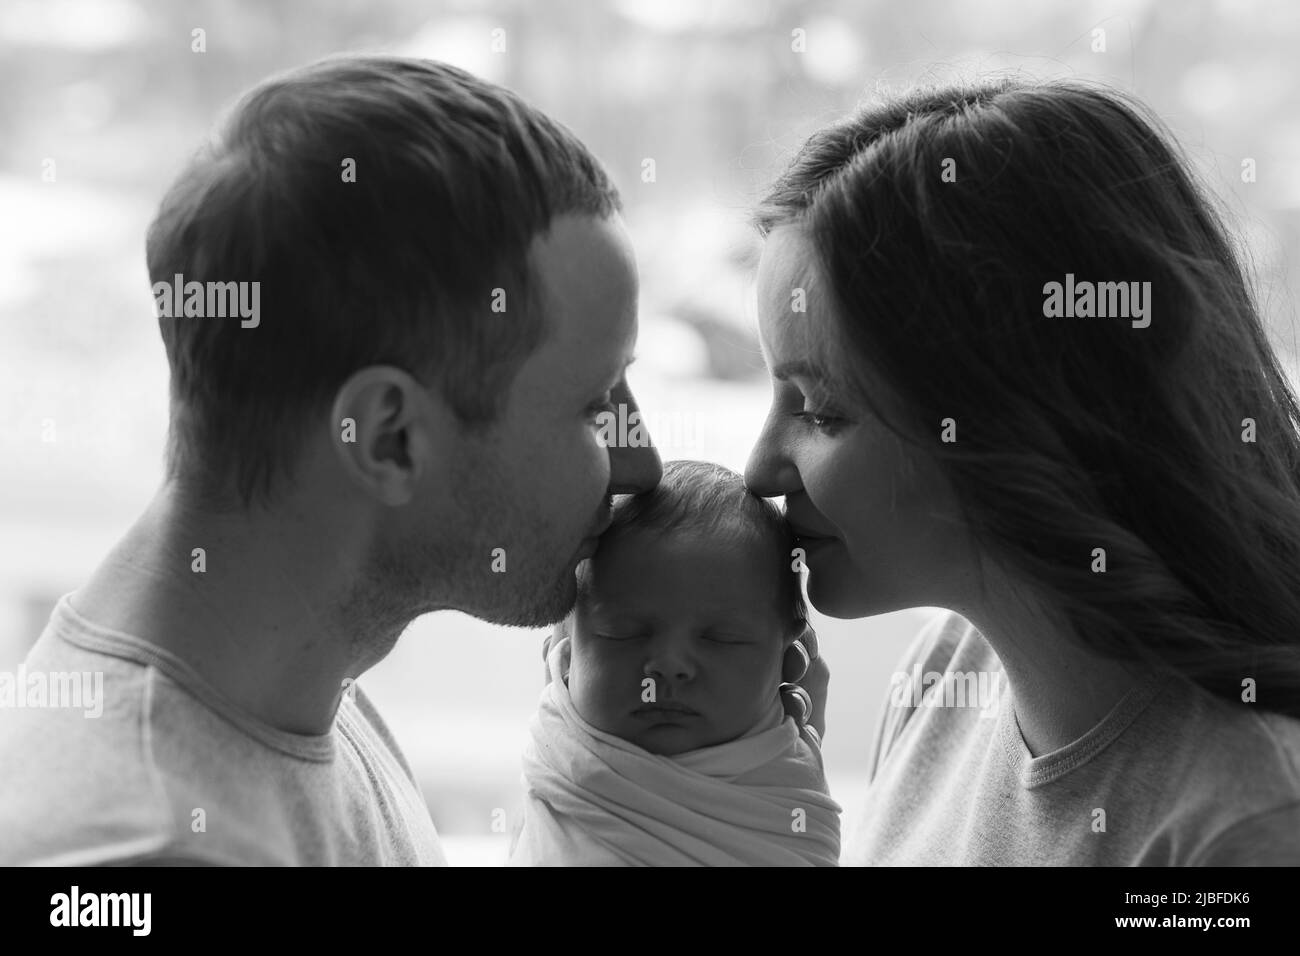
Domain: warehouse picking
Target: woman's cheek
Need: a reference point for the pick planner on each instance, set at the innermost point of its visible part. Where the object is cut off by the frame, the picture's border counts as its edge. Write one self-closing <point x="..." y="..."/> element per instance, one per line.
<point x="840" y="486"/>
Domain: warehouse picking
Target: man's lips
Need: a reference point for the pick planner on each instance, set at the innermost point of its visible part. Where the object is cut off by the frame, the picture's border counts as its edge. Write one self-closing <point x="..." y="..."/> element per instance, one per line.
<point x="589" y="544"/>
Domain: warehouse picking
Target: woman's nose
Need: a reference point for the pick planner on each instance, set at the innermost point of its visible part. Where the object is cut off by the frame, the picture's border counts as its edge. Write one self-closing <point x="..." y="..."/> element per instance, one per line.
<point x="769" y="473"/>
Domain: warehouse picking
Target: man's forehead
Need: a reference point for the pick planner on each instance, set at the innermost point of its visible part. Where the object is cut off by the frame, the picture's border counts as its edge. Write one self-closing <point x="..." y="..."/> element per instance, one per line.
<point x="586" y="269"/>
<point x="583" y="256"/>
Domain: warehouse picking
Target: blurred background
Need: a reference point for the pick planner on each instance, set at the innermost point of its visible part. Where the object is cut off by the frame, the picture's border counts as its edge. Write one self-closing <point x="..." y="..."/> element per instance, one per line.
<point x="101" y="101"/>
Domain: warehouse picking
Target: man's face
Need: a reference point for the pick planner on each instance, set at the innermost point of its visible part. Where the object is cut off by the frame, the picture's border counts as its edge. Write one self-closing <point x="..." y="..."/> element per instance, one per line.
<point x="531" y="494"/>
<point x="694" y="617"/>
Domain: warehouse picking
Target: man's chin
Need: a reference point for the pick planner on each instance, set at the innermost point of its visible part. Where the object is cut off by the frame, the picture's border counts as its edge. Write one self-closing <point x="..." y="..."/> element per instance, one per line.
<point x="545" y="610"/>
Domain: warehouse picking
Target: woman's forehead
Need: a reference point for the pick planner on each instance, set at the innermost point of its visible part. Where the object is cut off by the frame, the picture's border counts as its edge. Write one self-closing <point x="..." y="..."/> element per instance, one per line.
<point x="787" y="261"/>
<point x="789" y="299"/>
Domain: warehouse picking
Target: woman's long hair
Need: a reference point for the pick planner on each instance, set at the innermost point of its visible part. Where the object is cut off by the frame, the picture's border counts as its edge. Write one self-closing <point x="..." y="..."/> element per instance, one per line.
<point x="939" y="221"/>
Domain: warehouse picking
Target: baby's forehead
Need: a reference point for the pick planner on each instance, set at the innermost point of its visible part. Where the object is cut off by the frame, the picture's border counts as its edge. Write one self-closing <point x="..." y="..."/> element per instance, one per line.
<point x="720" y="542"/>
<point x="727" y="570"/>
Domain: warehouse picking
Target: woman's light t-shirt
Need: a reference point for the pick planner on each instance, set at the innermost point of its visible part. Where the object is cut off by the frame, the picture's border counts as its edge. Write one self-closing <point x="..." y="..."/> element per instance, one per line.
<point x="1172" y="776"/>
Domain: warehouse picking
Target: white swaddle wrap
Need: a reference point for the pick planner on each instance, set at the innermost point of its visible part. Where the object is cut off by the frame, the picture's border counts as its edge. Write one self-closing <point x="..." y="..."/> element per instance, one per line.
<point x="594" y="799"/>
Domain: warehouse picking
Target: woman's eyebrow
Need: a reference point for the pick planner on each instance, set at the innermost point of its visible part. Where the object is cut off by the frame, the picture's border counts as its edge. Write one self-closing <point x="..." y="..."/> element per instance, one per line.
<point x="800" y="369"/>
<point x="610" y="381"/>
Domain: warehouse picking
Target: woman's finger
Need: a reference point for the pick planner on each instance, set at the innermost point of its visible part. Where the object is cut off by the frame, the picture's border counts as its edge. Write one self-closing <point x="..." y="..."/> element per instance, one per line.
<point x="809" y="640"/>
<point x="817" y="683"/>
<point x="795" y="663"/>
<point x="797" y="703"/>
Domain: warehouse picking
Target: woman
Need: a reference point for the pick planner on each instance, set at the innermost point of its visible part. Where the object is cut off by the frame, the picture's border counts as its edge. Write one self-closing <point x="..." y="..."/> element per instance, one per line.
<point x="1018" y="374"/>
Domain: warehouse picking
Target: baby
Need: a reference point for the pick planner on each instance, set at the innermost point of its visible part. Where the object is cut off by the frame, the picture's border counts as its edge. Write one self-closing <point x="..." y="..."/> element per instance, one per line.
<point x="661" y="738"/>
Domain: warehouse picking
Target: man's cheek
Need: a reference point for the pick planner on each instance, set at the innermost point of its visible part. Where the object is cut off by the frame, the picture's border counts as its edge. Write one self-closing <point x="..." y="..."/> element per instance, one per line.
<point x="592" y="451"/>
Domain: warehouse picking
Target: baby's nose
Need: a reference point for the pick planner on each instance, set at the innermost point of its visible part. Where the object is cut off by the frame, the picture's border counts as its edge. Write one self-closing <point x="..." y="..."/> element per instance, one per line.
<point x="669" y="664"/>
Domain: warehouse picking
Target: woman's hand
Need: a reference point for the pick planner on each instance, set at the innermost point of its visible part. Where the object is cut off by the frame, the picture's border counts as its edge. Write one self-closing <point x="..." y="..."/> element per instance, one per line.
<point x="807" y="680"/>
<point x="559" y="642"/>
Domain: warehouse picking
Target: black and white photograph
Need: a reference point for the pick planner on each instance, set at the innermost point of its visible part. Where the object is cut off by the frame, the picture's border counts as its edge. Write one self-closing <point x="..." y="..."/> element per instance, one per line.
<point x="651" y="433"/>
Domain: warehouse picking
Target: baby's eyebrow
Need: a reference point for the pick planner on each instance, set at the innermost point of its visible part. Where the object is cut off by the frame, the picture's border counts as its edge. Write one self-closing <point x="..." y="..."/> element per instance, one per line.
<point x="612" y="614"/>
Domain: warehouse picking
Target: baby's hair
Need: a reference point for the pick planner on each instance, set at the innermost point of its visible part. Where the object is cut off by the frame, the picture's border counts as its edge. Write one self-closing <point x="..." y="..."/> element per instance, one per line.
<point x="712" y="500"/>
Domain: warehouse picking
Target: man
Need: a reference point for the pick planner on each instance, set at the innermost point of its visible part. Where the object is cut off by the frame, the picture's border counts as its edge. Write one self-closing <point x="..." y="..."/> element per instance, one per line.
<point x="436" y="298"/>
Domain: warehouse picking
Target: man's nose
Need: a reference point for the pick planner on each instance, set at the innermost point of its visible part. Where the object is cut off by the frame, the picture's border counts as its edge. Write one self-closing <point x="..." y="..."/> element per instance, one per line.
<point x="634" y="467"/>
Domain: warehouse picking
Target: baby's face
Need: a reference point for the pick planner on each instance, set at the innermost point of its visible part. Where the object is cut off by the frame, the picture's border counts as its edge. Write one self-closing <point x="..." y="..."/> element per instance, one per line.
<point x="697" y="617"/>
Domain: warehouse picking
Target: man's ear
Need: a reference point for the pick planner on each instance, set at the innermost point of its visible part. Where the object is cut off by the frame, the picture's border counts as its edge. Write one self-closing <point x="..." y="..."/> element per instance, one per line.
<point x="388" y="430"/>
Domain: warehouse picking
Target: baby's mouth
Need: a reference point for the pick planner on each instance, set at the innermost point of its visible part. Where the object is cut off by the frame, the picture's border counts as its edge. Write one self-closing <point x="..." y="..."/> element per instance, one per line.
<point x="666" y="708"/>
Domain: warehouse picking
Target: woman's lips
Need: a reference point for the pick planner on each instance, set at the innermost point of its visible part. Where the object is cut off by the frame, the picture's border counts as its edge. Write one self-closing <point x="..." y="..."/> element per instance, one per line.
<point x="805" y="533"/>
<point x="807" y="539"/>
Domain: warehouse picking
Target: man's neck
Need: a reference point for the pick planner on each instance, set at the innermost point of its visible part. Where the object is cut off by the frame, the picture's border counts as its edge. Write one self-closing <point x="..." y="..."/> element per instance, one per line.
<point x="257" y="612"/>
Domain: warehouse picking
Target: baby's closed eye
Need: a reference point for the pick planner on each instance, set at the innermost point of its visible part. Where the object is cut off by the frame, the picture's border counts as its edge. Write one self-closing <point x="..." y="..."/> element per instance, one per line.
<point x="723" y="637"/>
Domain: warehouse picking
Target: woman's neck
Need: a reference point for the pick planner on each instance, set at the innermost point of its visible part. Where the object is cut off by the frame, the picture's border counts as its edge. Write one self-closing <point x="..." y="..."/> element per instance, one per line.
<point x="1060" y="690"/>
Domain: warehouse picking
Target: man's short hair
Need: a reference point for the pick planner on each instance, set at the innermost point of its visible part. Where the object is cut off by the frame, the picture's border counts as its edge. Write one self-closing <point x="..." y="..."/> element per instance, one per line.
<point x="379" y="202"/>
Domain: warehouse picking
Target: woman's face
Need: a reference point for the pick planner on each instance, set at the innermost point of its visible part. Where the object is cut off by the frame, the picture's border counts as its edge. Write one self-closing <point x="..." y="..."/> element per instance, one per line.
<point x="878" y="523"/>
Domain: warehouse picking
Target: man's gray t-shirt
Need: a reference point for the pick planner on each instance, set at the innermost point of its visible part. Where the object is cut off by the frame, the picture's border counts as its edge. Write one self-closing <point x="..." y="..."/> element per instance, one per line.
<point x="170" y="771"/>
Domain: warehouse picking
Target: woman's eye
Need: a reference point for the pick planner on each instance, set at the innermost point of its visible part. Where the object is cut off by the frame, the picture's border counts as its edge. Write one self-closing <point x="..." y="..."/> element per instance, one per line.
<point x="819" y="420"/>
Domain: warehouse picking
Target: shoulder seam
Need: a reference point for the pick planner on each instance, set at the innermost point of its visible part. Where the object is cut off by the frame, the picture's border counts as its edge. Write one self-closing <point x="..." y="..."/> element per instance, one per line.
<point x="161" y="801"/>
<point x="1218" y="838"/>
